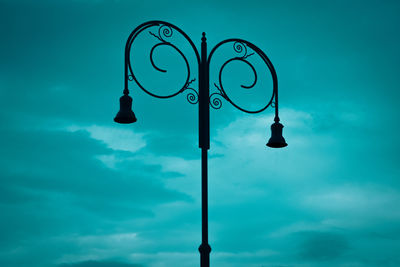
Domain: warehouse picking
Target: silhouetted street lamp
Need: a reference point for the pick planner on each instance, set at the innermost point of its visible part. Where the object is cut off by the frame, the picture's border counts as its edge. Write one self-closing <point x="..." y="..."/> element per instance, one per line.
<point x="202" y="97"/>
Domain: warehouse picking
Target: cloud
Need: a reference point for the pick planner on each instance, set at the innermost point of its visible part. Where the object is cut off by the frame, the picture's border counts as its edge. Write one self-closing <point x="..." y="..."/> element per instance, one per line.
<point x="356" y="201"/>
<point x="114" y="137"/>
<point x="56" y="193"/>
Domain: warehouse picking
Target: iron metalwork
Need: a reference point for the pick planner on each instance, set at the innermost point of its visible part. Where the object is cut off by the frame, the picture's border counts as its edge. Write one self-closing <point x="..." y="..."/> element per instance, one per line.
<point x="244" y="50"/>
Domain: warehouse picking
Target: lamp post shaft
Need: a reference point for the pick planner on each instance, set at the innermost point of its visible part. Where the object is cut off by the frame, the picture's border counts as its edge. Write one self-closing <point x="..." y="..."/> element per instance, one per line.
<point x="204" y="144"/>
<point x="204" y="94"/>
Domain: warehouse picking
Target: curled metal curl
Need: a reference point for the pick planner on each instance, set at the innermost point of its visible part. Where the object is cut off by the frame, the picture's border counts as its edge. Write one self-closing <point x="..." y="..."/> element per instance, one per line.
<point x="239" y="48"/>
<point x="165" y="30"/>
<point x="242" y="47"/>
<point x="192" y="97"/>
<point x="241" y="59"/>
<point x="151" y="56"/>
<point x="215" y="100"/>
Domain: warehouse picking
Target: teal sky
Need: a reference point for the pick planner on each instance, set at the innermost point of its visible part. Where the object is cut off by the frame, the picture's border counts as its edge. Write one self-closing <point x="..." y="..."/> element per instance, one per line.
<point x="78" y="190"/>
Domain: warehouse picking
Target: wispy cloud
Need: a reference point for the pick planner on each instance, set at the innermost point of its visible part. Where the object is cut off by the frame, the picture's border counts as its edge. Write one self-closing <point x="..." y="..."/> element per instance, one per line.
<point x="115" y="138"/>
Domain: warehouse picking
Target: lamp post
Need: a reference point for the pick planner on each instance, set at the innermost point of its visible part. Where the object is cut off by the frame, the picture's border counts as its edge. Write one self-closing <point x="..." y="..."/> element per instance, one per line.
<point x="202" y="97"/>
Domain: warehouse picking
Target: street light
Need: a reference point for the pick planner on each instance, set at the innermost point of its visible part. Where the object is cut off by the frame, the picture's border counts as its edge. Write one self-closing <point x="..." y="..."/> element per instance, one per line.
<point x="202" y="97"/>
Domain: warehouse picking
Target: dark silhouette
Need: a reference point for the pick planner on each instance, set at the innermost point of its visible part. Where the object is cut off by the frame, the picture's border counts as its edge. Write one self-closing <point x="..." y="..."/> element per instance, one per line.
<point x="125" y="113"/>
<point x="202" y="97"/>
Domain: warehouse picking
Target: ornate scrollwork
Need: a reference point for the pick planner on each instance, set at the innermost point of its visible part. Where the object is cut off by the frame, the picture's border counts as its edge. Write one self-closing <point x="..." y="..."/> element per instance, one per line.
<point x="215" y="98"/>
<point x="215" y="101"/>
<point x="163" y="34"/>
<point x="192" y="96"/>
<point x="164" y="30"/>
<point x="242" y="48"/>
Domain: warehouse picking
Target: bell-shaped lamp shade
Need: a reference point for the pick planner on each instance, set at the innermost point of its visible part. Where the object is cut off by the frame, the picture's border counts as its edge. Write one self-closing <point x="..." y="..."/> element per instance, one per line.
<point x="125" y="113"/>
<point x="276" y="140"/>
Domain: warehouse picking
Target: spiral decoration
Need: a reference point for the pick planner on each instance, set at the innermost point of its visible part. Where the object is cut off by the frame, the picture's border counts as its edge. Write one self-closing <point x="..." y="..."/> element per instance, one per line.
<point x="215" y="100"/>
<point x="243" y="50"/>
<point x="164" y="32"/>
<point x="241" y="47"/>
<point x="192" y="97"/>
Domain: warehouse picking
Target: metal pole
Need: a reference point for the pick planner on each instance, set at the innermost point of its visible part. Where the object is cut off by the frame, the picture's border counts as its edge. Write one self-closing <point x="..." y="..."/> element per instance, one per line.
<point x="204" y="144"/>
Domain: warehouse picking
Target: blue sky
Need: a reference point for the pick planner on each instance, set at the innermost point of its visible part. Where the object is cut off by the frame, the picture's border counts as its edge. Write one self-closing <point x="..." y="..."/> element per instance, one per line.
<point x="78" y="190"/>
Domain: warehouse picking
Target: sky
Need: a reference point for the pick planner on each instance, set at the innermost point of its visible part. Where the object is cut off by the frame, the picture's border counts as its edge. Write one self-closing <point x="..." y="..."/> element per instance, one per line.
<point x="78" y="190"/>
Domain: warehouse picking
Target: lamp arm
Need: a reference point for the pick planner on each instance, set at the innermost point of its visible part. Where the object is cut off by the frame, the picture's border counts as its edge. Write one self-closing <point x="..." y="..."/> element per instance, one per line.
<point x="241" y="46"/>
<point x="165" y="31"/>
